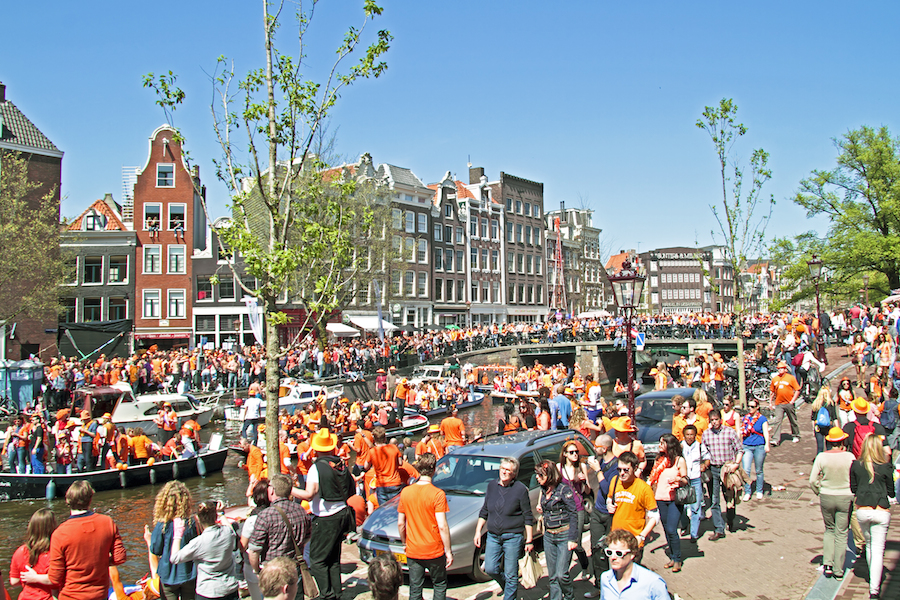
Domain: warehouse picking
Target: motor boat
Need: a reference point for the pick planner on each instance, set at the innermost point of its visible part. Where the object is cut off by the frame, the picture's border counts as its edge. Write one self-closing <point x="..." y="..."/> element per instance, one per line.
<point x="292" y="394"/>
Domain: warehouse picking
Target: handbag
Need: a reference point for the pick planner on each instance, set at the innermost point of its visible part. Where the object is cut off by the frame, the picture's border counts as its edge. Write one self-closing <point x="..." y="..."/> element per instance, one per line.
<point x="854" y="358"/>
<point x="685" y="494"/>
<point x="530" y="569"/>
<point x="310" y="587"/>
<point x="705" y="476"/>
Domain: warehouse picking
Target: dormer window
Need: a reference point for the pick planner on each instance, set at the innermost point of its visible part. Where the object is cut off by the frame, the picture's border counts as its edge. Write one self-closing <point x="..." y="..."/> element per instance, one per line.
<point x="94" y="222"/>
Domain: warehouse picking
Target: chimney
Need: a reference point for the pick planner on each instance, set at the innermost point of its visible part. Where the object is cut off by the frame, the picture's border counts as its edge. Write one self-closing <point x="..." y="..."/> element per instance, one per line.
<point x="475" y="174"/>
<point x="2" y="92"/>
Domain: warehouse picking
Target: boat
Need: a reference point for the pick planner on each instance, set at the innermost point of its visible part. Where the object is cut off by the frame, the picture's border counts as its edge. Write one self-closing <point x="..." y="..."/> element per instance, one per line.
<point x="475" y="399"/>
<point x="126" y="410"/>
<point x="498" y="397"/>
<point x="292" y="394"/>
<point x="14" y="486"/>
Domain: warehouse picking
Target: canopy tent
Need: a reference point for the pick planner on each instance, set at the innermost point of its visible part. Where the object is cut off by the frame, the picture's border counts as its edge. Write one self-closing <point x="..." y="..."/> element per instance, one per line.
<point x="340" y="330"/>
<point x="593" y="314"/>
<point x="371" y="323"/>
<point x="890" y="299"/>
<point x="90" y="340"/>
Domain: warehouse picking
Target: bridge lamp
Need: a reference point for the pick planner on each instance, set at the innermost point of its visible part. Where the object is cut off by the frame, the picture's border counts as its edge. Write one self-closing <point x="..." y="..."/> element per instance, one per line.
<point x="628" y="285"/>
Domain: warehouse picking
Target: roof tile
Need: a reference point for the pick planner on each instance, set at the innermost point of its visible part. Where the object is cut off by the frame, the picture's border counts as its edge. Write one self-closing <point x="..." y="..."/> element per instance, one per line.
<point x="15" y="128"/>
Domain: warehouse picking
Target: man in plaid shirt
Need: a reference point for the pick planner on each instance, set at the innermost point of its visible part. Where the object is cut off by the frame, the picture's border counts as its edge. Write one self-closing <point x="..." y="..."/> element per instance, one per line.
<point x="271" y="537"/>
<point x="724" y="448"/>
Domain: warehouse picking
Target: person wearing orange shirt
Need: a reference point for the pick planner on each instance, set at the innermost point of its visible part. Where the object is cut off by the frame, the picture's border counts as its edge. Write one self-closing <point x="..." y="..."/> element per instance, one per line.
<point x="429" y="443"/>
<point x="424" y="532"/>
<point x="362" y="445"/>
<point x="284" y="453"/>
<point x="718" y="372"/>
<point x="703" y="404"/>
<point x="305" y="459"/>
<point x="784" y="391"/>
<point x="688" y="416"/>
<point x="386" y="459"/>
<point x="170" y="422"/>
<point x="256" y="464"/>
<point x="453" y="430"/>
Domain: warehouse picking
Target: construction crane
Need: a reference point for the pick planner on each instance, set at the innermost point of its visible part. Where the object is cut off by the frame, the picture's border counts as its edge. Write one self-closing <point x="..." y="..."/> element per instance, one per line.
<point x="559" y="284"/>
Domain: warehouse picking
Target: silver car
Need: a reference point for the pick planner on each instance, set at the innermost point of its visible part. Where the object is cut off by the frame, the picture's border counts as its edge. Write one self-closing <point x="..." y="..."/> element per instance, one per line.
<point x="464" y="475"/>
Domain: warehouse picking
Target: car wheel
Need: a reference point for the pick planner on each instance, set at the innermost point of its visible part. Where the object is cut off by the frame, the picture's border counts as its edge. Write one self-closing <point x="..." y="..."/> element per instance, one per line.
<point x="478" y="573"/>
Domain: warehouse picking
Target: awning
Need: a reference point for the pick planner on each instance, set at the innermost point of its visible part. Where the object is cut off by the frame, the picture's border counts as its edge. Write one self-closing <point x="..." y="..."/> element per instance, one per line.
<point x="341" y="330"/>
<point x="371" y="323"/>
<point x="162" y="336"/>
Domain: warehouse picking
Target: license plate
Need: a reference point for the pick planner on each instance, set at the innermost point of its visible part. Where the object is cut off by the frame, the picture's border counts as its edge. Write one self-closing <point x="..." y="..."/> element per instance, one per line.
<point x="401" y="558"/>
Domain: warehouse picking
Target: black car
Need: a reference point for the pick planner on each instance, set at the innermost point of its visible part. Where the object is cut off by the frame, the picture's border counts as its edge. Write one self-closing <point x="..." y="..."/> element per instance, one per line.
<point x="653" y="417"/>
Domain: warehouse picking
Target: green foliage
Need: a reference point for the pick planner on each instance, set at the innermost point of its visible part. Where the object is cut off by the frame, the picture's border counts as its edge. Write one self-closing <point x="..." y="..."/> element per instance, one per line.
<point x="743" y="214"/>
<point x="861" y="199"/>
<point x="31" y="265"/>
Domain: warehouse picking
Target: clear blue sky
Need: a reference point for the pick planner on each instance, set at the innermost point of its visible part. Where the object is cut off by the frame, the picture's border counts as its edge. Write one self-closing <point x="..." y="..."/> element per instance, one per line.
<point x="595" y="99"/>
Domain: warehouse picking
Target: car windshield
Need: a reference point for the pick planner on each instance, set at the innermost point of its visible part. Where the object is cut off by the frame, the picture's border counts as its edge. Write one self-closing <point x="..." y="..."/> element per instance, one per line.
<point x="466" y="474"/>
<point x="654" y="410"/>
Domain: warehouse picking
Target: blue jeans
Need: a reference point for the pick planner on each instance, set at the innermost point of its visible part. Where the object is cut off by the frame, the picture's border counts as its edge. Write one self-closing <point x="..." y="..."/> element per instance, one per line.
<point x="670" y="514"/>
<point x="559" y="557"/>
<point x="11" y="456"/>
<point x="502" y="551"/>
<point x="716" y="500"/>
<point x="696" y="509"/>
<point x="437" y="569"/>
<point x="754" y="455"/>
<point x="23" y="459"/>
<point x="386" y="493"/>
<point x="37" y="462"/>
<point x="250" y="430"/>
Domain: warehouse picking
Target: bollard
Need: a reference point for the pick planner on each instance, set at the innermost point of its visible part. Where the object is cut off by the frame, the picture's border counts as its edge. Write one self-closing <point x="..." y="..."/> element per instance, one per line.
<point x="201" y="466"/>
<point x="50" y="490"/>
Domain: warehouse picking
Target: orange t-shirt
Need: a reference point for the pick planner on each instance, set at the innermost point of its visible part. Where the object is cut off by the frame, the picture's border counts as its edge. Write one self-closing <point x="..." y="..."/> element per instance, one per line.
<point x="255" y="463"/>
<point x="434" y="447"/>
<point x="420" y="503"/>
<point x="784" y="387"/>
<point x="303" y="464"/>
<point x="140" y="445"/>
<point x="632" y="504"/>
<point x="361" y="447"/>
<point x="384" y="461"/>
<point x="358" y="504"/>
<point x="284" y="455"/>
<point x="407" y="472"/>
<point x="452" y="430"/>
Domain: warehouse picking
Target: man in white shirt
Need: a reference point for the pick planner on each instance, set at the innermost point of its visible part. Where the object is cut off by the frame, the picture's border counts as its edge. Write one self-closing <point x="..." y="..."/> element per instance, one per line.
<point x="697" y="457"/>
<point x="252" y="407"/>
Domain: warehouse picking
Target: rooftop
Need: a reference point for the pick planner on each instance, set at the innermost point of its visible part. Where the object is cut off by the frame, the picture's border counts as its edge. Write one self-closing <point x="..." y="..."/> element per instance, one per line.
<point x="17" y="130"/>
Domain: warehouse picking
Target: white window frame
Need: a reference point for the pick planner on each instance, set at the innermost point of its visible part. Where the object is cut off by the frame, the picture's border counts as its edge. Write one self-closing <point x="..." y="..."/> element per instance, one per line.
<point x="169" y="253"/>
<point x="144" y="216"/>
<point x="422" y="252"/>
<point x="144" y="298"/>
<point x="144" y="270"/>
<point x="422" y="220"/>
<point x="169" y="297"/>
<point x="169" y="215"/>
<point x="109" y="266"/>
<point x="158" y="165"/>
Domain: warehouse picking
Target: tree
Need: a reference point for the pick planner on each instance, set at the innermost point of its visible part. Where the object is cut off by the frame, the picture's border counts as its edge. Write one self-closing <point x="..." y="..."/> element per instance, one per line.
<point x="742" y="215"/>
<point x="296" y="225"/>
<point x="861" y="199"/>
<point x="31" y="265"/>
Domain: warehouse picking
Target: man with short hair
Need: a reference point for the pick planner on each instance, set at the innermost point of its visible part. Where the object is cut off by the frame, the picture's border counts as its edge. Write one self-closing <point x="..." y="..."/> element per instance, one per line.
<point x="453" y="430"/>
<point x="631" y="501"/>
<point x="688" y="416"/>
<point x="627" y="580"/>
<point x="279" y="580"/>
<point x="251" y="417"/>
<point x="385" y="577"/>
<point x="784" y="391"/>
<point x="725" y="454"/>
<point x="386" y="459"/>
<point x="696" y="455"/>
<point x="422" y="523"/>
<point x="83" y="548"/>
<point x="280" y="529"/>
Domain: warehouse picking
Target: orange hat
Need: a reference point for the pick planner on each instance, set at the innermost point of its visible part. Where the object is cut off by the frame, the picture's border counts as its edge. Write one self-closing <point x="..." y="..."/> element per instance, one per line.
<point x="85" y="414"/>
<point x="653" y="371"/>
<point x="323" y="440"/>
<point x="861" y="406"/>
<point x="782" y="365"/>
<point x="623" y="424"/>
<point x="169" y="404"/>
<point x="434" y="428"/>
<point x="836" y="434"/>
<point x="106" y="416"/>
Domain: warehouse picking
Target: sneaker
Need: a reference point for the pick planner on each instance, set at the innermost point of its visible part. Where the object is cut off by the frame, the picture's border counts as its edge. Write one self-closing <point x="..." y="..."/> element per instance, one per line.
<point x="746" y="498"/>
<point x="759" y="495"/>
<point x="796" y="439"/>
<point x="828" y="572"/>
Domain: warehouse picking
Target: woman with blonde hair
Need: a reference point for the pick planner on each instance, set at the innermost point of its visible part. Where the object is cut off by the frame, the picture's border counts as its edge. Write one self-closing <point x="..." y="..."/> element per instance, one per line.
<point x="872" y="482"/>
<point x="820" y="428"/>
<point x="31" y="561"/>
<point x="173" y="502"/>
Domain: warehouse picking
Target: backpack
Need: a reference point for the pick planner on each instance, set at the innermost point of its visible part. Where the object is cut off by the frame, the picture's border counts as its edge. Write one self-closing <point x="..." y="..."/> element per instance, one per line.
<point x="889" y="414"/>
<point x="335" y="480"/>
<point x="798" y="359"/>
<point x="860" y="433"/>
<point x="823" y="418"/>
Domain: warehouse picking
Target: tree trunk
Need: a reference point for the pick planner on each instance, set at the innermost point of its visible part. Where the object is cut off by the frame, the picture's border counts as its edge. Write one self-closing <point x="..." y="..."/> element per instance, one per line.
<point x="273" y="381"/>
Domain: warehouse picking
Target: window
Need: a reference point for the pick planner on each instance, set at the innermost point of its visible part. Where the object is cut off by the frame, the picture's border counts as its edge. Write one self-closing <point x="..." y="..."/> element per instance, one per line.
<point x="423" y="223"/>
<point x="448" y="211"/>
<point x="527" y="209"/>
<point x="530" y="294"/>
<point x="448" y="234"/>
<point x="484" y="259"/>
<point x="449" y="290"/>
<point x="529" y="262"/>
<point x="176" y="304"/>
<point x="152" y="216"/>
<point x="93" y="309"/>
<point x="495" y="230"/>
<point x="410" y="222"/>
<point x="537" y="236"/>
<point x="540" y="293"/>
<point x="473" y="227"/>
<point x="409" y="283"/>
<point x="396" y="218"/>
<point x="473" y="258"/>
<point x="226" y="288"/>
<point x="410" y="198"/>
<point x="439" y="289"/>
<point x="151" y="304"/>
<point x="511" y="294"/>
<point x="495" y="260"/>
<point x="485" y="292"/>
<point x="474" y="291"/>
<point x="423" y="251"/>
<point x="176" y="259"/>
<point x="410" y="252"/>
<point x="484" y="229"/>
<point x="152" y="260"/>
<point x="520" y="263"/>
<point x="118" y="309"/>
<point x="528" y="234"/>
<point x="438" y="231"/>
<point x="460" y="266"/>
<point x="496" y="292"/>
<point x="459" y="235"/>
<point x="204" y="288"/>
<point x="229" y="322"/>
<point x="71" y="272"/>
<point x="94" y="222"/>
<point x="511" y="263"/>
<point x="460" y="290"/>
<point x="518" y="207"/>
<point x="249" y="282"/>
<point x="438" y="259"/>
<point x="518" y="233"/>
<point x="509" y="232"/>
<point x="165" y="175"/>
<point x="205" y="323"/>
<point x="521" y="294"/>
<point x="509" y="204"/>
<point x="93" y="270"/>
<point x="536" y="210"/>
<point x="538" y="260"/>
<point x="395" y="283"/>
<point x="69" y="314"/>
<point x="118" y="269"/>
<point x="448" y="260"/>
<point x="423" y="284"/>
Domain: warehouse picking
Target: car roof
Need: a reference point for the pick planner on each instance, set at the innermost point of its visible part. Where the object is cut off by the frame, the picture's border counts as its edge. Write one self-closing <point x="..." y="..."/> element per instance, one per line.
<point x="513" y="444"/>
<point x="667" y="393"/>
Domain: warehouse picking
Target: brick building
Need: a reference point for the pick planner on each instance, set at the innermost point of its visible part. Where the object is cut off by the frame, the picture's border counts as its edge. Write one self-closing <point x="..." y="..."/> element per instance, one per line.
<point x="678" y="280"/>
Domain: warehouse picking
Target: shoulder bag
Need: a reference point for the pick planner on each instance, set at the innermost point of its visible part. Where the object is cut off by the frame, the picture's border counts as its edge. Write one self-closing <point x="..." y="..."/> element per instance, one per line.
<point x="310" y="587"/>
<point x="685" y="494"/>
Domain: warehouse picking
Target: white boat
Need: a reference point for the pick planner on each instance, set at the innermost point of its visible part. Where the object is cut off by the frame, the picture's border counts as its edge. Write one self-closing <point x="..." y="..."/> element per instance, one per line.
<point x="292" y="394"/>
<point x="130" y="411"/>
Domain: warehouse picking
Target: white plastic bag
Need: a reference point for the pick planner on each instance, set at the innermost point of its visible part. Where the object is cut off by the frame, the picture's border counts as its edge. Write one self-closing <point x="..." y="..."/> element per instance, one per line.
<point x="530" y="570"/>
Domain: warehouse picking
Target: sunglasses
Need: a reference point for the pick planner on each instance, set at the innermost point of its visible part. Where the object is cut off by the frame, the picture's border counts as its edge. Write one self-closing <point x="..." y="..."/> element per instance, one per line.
<point x="571" y="451"/>
<point x="624" y="469"/>
<point x="617" y="553"/>
<point x="753" y="406"/>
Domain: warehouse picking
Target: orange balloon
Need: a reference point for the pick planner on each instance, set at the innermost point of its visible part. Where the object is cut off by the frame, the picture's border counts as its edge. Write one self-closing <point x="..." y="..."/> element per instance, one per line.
<point x="121" y="466"/>
<point x="150" y="461"/>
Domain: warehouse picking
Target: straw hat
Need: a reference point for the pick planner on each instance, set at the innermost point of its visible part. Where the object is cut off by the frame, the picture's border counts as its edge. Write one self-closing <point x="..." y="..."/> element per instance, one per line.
<point x="568" y="392"/>
<point x="434" y="428"/>
<point x="323" y="440"/>
<point x="861" y="406"/>
<point x="85" y="414"/>
<point x="836" y="434"/>
<point x="782" y="364"/>
<point x="623" y="424"/>
<point x="653" y="371"/>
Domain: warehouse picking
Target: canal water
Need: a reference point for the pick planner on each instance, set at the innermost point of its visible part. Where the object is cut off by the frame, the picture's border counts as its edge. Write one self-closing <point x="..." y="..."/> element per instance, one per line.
<point x="133" y="508"/>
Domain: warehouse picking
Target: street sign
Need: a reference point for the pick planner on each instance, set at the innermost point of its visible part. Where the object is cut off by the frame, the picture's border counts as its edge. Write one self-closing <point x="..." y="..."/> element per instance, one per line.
<point x="639" y="341"/>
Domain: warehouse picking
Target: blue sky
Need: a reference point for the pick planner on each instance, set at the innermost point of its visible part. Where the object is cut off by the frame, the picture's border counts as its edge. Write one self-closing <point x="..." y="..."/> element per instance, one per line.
<point x="597" y="100"/>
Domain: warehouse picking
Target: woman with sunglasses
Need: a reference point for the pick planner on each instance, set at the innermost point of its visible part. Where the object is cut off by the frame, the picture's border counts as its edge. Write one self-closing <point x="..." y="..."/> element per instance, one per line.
<point x="668" y="473"/>
<point x="730" y="416"/>
<point x="574" y="473"/>
<point x="625" y="579"/>
<point x="755" y="431"/>
<point x="561" y="533"/>
<point x="844" y="396"/>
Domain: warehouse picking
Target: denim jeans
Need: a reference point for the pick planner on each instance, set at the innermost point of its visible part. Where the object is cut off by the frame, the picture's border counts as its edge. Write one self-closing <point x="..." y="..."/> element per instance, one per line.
<point x="501" y="560"/>
<point x="754" y="455"/>
<point x="437" y="570"/>
<point x="874" y="524"/>
<point x="37" y="462"/>
<point x="24" y="463"/>
<point x="716" y="500"/>
<point x="696" y="509"/>
<point x="559" y="557"/>
<point x="670" y="514"/>
<point x="836" y="516"/>
<point x="386" y="493"/>
<point x="11" y="459"/>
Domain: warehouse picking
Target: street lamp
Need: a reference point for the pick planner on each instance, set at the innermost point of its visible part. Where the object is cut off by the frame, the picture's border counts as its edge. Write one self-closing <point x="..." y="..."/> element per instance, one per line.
<point x="815" y="270"/>
<point x="865" y="279"/>
<point x="627" y="287"/>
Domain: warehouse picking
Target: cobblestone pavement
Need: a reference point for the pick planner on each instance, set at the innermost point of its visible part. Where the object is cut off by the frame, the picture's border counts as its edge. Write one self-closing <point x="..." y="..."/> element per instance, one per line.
<point x="775" y="554"/>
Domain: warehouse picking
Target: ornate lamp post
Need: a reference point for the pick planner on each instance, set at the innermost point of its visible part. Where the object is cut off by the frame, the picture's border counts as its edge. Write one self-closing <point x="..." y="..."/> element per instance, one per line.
<point x="865" y="279"/>
<point x="627" y="287"/>
<point x="815" y="270"/>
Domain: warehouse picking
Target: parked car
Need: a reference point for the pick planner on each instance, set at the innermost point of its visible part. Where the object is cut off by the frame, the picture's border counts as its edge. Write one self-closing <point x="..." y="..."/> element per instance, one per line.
<point x="653" y="417"/>
<point x="464" y="476"/>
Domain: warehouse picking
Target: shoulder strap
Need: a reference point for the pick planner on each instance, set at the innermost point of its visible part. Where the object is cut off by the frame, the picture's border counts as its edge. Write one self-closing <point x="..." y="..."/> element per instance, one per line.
<point x="298" y="555"/>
